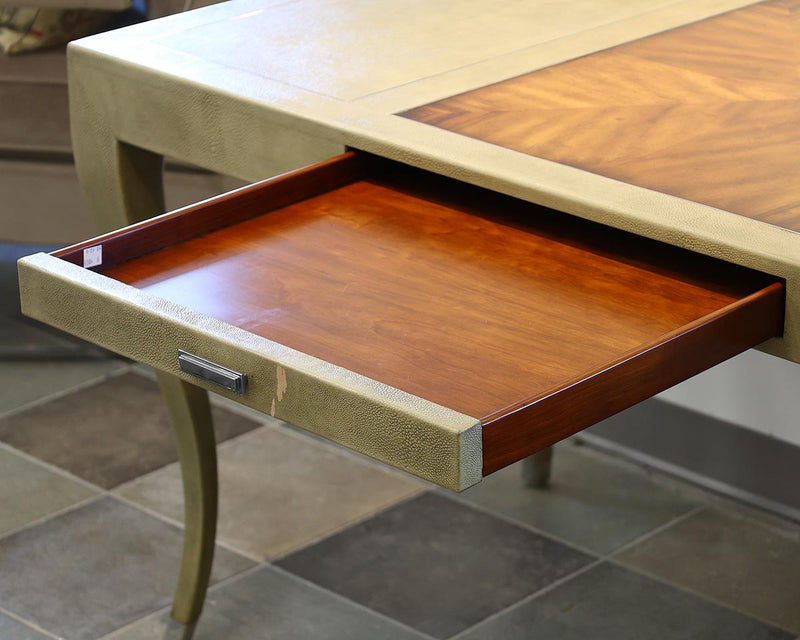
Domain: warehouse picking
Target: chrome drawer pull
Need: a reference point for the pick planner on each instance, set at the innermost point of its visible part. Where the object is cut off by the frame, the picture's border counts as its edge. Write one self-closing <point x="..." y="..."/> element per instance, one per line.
<point x="212" y="372"/>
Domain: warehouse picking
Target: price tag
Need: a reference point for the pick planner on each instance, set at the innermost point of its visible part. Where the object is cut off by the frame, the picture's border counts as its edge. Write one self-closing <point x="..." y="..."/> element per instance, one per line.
<point x="93" y="256"/>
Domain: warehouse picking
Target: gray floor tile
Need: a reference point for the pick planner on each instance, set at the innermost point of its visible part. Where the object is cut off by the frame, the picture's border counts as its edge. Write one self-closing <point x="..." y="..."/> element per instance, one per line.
<point x="28" y="492"/>
<point x="90" y="571"/>
<point x="678" y="437"/>
<point x="10" y="629"/>
<point x="435" y="564"/>
<point x="108" y="433"/>
<point x="738" y="561"/>
<point x="592" y="501"/>
<point x="271" y="605"/>
<point x="22" y="383"/>
<point x="280" y="490"/>
<point x="612" y="603"/>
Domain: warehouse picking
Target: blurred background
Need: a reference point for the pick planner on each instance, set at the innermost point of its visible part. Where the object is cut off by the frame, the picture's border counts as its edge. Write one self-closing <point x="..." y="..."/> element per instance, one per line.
<point x="41" y="205"/>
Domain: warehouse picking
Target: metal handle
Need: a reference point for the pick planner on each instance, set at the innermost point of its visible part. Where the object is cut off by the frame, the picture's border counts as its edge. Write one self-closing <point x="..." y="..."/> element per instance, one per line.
<point x="212" y="372"/>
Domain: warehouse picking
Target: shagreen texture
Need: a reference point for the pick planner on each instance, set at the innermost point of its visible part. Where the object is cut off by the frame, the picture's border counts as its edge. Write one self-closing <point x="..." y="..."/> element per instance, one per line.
<point x="408" y="432"/>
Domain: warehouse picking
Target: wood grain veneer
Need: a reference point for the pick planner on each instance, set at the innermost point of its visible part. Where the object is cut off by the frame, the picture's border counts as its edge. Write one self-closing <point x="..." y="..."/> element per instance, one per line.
<point x="197" y="219"/>
<point x="470" y="299"/>
<point x="709" y="112"/>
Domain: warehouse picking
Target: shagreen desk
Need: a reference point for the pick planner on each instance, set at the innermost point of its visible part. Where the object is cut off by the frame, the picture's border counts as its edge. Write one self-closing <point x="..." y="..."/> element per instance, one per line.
<point x="500" y="224"/>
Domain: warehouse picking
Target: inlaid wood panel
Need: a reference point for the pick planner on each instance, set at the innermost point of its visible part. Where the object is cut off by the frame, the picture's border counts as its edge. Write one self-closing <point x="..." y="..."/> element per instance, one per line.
<point x="709" y="112"/>
<point x="494" y="307"/>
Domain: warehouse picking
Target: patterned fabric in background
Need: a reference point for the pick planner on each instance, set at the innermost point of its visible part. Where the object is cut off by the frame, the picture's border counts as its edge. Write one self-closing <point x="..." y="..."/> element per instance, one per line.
<point x="26" y="29"/>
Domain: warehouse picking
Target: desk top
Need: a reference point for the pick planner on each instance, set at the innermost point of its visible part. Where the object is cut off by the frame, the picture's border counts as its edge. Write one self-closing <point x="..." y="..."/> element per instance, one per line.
<point x="708" y="112"/>
<point x="217" y="85"/>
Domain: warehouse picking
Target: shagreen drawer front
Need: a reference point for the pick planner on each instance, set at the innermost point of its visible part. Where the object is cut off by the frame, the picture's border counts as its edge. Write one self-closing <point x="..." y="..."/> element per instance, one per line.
<point x="439" y="327"/>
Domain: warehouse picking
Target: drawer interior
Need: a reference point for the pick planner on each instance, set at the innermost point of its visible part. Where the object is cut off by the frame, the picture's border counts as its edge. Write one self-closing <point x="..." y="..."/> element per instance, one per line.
<point x="535" y="322"/>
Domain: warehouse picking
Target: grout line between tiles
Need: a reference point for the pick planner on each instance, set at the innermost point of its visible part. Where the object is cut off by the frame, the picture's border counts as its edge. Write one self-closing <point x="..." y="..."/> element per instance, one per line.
<point x="100" y="492"/>
<point x="413" y="491"/>
<point x="86" y="384"/>
<point x="28" y="623"/>
<point x="654" y="532"/>
<point x="241" y="575"/>
<point x="305" y="435"/>
<point x="226" y="444"/>
<point x="50" y="467"/>
<point x="357" y="605"/>
<point x="260" y="562"/>
<point x="180" y="525"/>
<point x="266" y="420"/>
<point x="350" y="454"/>
<point x="449" y="495"/>
<point x="114" y="492"/>
<point x="600" y="559"/>
<point x="221" y="446"/>
<point x="51" y="516"/>
<point x="530" y="597"/>
<point x="150" y="616"/>
<point x="247" y="572"/>
<point x="346" y="525"/>
<point x="695" y="481"/>
<point x="157" y="613"/>
<point x="698" y="594"/>
<point x="609" y="558"/>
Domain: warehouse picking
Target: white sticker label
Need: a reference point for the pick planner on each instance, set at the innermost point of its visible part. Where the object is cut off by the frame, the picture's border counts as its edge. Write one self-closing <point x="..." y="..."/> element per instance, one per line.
<point x="93" y="256"/>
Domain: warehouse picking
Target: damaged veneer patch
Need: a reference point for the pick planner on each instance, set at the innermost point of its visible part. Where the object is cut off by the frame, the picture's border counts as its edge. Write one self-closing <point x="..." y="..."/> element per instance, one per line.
<point x="280" y="390"/>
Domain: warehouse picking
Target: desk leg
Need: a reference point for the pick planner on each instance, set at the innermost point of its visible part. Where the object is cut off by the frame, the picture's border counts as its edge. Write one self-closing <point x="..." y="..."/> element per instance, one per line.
<point x="536" y="468"/>
<point x="123" y="184"/>
<point x="194" y="436"/>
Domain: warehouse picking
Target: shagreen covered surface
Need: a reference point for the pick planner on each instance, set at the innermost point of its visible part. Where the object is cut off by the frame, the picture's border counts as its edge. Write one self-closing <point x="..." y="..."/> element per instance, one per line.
<point x="415" y="435"/>
<point x="239" y="111"/>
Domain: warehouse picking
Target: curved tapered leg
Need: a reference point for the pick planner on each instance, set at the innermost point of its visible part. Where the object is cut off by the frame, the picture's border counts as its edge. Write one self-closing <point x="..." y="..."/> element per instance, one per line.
<point x="536" y="468"/>
<point x="123" y="184"/>
<point x="194" y="436"/>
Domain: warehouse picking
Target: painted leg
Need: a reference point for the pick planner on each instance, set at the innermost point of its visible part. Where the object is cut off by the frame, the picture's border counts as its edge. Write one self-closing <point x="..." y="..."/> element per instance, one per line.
<point x="194" y="436"/>
<point x="536" y="468"/>
<point x="123" y="184"/>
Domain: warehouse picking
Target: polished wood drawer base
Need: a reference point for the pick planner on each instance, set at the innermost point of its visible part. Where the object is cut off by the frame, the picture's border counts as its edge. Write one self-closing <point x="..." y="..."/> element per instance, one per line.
<point x="525" y="324"/>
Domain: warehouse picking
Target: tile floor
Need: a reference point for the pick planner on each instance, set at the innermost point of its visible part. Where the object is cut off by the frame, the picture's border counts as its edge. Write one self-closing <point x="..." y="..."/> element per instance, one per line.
<point x="317" y="542"/>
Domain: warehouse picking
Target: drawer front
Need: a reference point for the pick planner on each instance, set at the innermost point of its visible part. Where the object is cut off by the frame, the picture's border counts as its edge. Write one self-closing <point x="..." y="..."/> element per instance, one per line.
<point x="425" y="439"/>
<point x="441" y="328"/>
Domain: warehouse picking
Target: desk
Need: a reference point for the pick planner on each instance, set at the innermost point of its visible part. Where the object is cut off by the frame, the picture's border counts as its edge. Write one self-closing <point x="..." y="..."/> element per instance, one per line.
<point x="255" y="88"/>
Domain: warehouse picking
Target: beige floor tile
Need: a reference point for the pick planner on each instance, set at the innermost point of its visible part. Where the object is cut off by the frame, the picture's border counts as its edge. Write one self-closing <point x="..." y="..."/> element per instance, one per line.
<point x="109" y="433"/>
<point x="29" y="491"/>
<point x="94" y="569"/>
<point x="23" y="383"/>
<point x="280" y="490"/>
<point x="271" y="604"/>
<point x="593" y="500"/>
<point x="738" y="561"/>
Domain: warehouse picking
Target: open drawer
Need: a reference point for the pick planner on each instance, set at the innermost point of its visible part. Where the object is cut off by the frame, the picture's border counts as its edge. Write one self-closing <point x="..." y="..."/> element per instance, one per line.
<point x="439" y="327"/>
